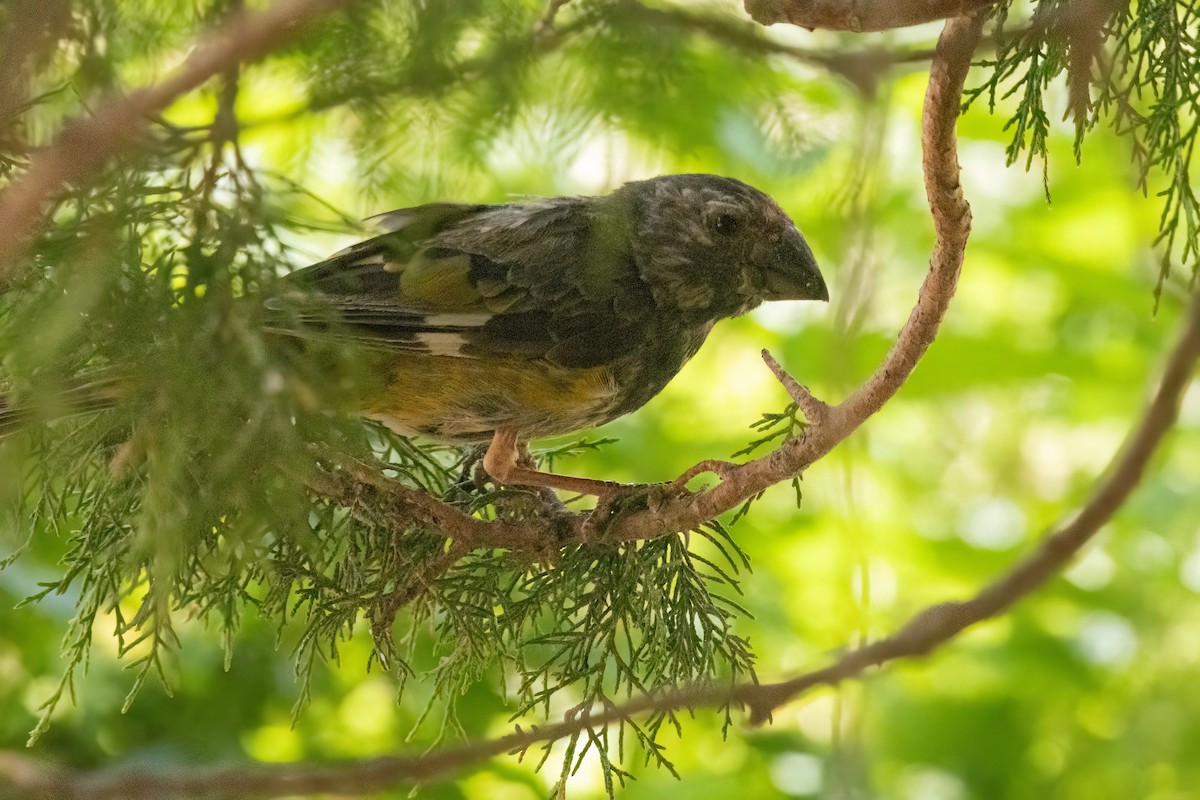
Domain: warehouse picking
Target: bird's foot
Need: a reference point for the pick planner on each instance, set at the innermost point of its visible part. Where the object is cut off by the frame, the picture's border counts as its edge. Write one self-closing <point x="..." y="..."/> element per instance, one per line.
<point x="471" y="477"/>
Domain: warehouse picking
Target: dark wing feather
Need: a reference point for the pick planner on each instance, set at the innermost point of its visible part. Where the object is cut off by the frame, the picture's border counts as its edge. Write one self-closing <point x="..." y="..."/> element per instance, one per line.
<point x="541" y="280"/>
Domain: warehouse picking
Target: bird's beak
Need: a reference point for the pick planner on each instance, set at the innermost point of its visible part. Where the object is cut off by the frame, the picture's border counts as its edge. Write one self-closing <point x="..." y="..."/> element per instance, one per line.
<point x="792" y="273"/>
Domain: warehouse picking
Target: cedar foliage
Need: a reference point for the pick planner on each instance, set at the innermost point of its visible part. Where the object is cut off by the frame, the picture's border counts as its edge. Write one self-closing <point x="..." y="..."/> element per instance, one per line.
<point x="193" y="498"/>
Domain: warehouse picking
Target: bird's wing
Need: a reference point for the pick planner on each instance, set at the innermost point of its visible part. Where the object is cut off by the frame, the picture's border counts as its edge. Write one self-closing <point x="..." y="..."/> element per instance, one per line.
<point x="531" y="281"/>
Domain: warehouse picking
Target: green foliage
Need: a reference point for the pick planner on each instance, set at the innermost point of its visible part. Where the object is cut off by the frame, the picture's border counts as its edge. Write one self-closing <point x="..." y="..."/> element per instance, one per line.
<point x="773" y="427"/>
<point x="1147" y="88"/>
<point x="182" y="532"/>
<point x="1153" y="95"/>
<point x="777" y="427"/>
<point x="605" y="621"/>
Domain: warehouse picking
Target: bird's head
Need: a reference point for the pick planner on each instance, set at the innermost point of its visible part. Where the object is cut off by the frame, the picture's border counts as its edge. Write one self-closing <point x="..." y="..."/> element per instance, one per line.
<point x="715" y="247"/>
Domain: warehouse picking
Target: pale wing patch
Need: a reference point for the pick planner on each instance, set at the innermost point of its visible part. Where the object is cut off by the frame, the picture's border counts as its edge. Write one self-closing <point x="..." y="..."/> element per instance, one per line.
<point x="442" y="344"/>
<point x="371" y="261"/>
<point x="357" y="247"/>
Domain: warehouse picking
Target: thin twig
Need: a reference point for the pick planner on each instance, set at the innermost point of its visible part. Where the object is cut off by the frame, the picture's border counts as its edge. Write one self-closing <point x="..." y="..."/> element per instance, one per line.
<point x="546" y="23"/>
<point x="862" y="67"/>
<point x="859" y="15"/>
<point x="406" y="508"/>
<point x="385" y="611"/>
<point x="84" y="146"/>
<point x="715" y="466"/>
<point x="815" y="410"/>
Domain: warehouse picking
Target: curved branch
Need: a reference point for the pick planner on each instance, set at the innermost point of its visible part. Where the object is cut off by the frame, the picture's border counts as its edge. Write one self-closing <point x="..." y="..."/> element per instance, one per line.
<point x="85" y="146"/>
<point x="859" y="15"/>
<point x="952" y="224"/>
<point x="939" y="623"/>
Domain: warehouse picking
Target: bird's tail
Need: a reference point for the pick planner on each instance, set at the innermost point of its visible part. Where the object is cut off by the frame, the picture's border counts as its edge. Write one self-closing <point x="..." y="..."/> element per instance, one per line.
<point x="84" y="397"/>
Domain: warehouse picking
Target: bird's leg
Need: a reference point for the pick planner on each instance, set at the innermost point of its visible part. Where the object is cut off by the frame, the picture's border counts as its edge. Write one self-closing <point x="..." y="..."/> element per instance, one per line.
<point x="502" y="461"/>
<point x="549" y="497"/>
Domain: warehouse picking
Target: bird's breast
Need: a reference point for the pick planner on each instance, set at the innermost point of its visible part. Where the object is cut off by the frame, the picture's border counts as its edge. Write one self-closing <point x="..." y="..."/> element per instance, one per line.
<point x="466" y="399"/>
<point x="460" y="399"/>
<point x="646" y="371"/>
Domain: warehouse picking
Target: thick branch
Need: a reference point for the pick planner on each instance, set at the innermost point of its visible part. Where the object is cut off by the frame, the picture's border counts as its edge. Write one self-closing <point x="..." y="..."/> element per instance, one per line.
<point x="406" y="508"/>
<point x="86" y="145"/>
<point x="927" y="630"/>
<point x="858" y="15"/>
<point x="861" y="67"/>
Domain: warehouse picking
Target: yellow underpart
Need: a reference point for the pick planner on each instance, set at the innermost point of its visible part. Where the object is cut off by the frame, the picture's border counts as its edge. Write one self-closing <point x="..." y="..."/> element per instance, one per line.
<point x="460" y="396"/>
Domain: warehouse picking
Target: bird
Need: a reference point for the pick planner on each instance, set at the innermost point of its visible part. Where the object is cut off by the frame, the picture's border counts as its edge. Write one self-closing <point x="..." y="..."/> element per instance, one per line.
<point x="497" y="324"/>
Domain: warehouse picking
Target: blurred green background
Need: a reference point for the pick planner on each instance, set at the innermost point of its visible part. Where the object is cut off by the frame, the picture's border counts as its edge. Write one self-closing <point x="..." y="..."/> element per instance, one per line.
<point x="1047" y="355"/>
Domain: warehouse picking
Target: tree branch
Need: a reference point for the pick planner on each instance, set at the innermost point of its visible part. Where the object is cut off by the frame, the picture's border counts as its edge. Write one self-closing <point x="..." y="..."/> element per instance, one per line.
<point x="815" y="410"/>
<point x="84" y="146"/>
<point x="952" y="225"/>
<point x="863" y="67"/>
<point x="858" y="15"/>
<point x="406" y="508"/>
<point x="925" y="631"/>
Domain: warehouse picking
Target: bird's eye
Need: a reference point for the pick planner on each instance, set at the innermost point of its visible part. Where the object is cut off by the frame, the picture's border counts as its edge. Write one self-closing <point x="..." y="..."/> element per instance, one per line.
<point x="726" y="224"/>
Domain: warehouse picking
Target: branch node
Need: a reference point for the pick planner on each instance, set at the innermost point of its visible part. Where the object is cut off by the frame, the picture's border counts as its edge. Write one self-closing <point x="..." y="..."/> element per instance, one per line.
<point x="761" y="713"/>
<point x="815" y="410"/>
<point x="722" y="469"/>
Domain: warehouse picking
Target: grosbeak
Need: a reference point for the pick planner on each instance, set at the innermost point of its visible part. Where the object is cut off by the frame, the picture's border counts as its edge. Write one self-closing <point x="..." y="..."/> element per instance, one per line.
<point x="504" y="323"/>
